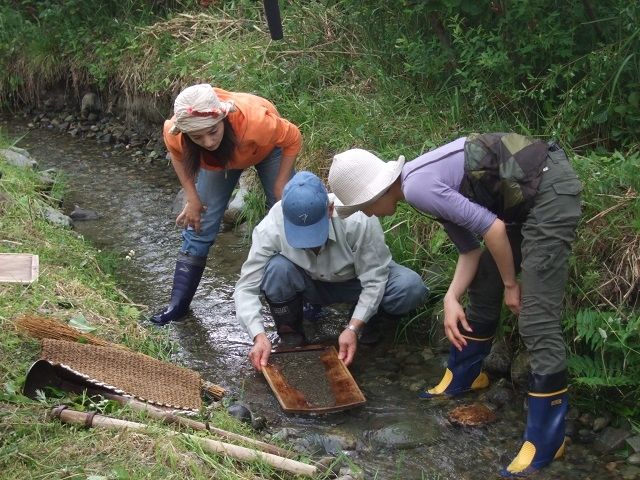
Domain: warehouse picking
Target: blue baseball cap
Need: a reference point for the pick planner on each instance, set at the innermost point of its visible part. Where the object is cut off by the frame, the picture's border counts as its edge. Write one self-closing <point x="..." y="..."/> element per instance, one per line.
<point x="304" y="206"/>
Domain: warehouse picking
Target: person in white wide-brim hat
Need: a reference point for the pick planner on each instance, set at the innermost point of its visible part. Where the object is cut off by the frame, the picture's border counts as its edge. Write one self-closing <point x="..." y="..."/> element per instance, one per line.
<point x="523" y="198"/>
<point x="212" y="137"/>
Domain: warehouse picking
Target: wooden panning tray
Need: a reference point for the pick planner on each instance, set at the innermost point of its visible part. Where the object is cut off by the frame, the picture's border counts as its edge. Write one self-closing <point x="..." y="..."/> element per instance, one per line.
<point x="312" y="379"/>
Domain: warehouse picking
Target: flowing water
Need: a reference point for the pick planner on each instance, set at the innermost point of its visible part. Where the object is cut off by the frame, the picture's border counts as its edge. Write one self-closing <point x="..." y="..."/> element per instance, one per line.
<point x="394" y="436"/>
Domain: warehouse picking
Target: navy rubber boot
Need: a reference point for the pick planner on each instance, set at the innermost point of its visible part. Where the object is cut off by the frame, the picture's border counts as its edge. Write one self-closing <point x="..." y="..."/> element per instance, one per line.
<point x="288" y="319"/>
<point x="544" y="435"/>
<point x="464" y="370"/>
<point x="312" y="311"/>
<point x="186" y="279"/>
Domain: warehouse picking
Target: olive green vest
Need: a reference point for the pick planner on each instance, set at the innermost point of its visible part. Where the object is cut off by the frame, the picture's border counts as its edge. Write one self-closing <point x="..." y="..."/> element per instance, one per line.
<point x="502" y="172"/>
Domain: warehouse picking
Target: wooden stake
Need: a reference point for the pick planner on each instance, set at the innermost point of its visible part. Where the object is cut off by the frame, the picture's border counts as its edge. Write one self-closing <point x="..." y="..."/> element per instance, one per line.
<point x="242" y="454"/>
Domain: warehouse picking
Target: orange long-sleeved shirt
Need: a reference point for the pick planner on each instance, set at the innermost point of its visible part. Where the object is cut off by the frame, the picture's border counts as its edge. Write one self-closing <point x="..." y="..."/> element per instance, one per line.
<point x="258" y="128"/>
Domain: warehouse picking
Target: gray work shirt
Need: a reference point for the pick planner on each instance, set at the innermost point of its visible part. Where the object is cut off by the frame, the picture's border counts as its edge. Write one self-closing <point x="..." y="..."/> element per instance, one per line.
<point x="355" y="249"/>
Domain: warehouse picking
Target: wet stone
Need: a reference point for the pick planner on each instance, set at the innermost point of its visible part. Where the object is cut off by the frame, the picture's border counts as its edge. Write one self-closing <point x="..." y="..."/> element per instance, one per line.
<point x="634" y="443"/>
<point x="240" y="412"/>
<point x="586" y="419"/>
<point x="499" y="394"/>
<point x="634" y="459"/>
<point x="499" y="359"/>
<point x="79" y="213"/>
<point x="600" y="423"/>
<point x="573" y="414"/>
<point x="585" y="435"/>
<point x="258" y="423"/>
<point x="55" y="217"/>
<point x="611" y="439"/>
<point x="404" y="435"/>
<point x="630" y="472"/>
<point x="18" y="157"/>
<point x="320" y="444"/>
<point x="285" y="434"/>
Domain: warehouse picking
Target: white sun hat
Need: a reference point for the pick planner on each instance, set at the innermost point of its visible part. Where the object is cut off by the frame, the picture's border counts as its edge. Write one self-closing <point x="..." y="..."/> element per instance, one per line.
<point x="358" y="178"/>
<point x="198" y="107"/>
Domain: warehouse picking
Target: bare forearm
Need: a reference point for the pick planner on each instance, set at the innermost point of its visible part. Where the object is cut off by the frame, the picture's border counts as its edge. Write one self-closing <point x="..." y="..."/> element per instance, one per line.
<point x="498" y="244"/>
<point x="186" y="180"/>
<point x="466" y="269"/>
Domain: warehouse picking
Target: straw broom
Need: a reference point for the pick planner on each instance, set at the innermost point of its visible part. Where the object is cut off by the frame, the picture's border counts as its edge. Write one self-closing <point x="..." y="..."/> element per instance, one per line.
<point x="43" y="327"/>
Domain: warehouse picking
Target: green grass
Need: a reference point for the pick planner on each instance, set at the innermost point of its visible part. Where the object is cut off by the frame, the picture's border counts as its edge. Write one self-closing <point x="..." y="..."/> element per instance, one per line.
<point x="76" y="281"/>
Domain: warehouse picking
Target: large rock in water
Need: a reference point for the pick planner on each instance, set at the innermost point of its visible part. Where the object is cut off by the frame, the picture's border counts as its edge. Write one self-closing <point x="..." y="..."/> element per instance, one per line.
<point x="405" y="435"/>
<point x="18" y="157"/>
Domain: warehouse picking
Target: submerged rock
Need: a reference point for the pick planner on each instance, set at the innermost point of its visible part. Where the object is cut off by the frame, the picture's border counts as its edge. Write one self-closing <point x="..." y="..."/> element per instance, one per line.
<point x="322" y="444"/>
<point x="404" y="435"/>
<point x="83" y="214"/>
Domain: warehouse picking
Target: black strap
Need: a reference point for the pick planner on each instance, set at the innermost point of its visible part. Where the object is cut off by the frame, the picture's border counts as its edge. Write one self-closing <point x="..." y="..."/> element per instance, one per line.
<point x="58" y="410"/>
<point x="88" y="421"/>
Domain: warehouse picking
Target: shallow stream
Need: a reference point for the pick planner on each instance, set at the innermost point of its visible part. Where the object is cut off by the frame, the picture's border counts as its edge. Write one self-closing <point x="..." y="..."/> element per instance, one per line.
<point x="135" y="201"/>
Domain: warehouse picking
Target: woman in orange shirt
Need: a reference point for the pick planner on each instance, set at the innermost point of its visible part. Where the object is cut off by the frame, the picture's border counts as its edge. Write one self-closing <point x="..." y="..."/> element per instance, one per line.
<point x="212" y="137"/>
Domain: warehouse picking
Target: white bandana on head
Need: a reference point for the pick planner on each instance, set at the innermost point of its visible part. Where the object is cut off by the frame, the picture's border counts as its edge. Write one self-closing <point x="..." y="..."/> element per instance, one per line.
<point x="198" y="107"/>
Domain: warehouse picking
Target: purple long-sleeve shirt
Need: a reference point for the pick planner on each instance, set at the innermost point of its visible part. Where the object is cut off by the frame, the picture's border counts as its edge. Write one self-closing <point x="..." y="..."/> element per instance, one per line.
<point x="431" y="183"/>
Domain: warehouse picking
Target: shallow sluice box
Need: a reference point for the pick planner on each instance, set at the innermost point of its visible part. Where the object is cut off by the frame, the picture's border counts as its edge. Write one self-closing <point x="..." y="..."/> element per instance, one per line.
<point x="312" y="380"/>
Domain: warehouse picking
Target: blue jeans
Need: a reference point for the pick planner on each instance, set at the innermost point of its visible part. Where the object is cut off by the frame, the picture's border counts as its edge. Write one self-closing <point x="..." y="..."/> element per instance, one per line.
<point x="283" y="280"/>
<point x="215" y="188"/>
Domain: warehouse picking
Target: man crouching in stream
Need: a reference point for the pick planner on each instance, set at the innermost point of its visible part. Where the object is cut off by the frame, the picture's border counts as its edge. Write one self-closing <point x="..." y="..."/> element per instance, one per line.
<point x="303" y="252"/>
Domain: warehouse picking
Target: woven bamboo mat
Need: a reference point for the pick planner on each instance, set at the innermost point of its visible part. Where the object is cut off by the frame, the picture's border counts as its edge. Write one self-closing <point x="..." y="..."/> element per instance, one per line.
<point x="127" y="372"/>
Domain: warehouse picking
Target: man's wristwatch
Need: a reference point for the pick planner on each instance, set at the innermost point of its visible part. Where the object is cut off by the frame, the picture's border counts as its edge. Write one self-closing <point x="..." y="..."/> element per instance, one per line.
<point x="354" y="329"/>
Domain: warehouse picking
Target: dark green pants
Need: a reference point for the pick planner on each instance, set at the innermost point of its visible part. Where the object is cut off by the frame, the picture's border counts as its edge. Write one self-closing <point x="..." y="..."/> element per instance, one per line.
<point x="541" y="248"/>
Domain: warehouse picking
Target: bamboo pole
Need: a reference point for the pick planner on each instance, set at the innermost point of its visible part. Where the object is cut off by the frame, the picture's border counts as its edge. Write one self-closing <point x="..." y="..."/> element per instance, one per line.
<point x="242" y="454"/>
<point x="170" y="418"/>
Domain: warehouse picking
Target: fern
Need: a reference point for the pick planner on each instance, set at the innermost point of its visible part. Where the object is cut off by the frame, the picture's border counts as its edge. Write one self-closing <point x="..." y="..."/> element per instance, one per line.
<point x="587" y="371"/>
<point x="606" y="349"/>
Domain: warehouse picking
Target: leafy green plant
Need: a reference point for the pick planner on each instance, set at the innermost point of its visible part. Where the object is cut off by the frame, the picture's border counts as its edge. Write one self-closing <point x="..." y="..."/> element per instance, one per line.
<point x="606" y="348"/>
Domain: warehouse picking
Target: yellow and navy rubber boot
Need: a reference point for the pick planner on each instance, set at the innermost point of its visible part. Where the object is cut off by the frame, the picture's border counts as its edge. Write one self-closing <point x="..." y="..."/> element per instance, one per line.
<point x="464" y="370"/>
<point x="544" y="435"/>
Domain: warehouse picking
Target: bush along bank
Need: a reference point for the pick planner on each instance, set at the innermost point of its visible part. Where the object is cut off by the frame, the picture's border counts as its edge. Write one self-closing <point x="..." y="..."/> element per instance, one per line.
<point x="76" y="285"/>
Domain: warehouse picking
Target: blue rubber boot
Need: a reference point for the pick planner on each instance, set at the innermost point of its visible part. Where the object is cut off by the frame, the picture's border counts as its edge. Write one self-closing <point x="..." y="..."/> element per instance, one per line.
<point x="186" y="279"/>
<point x="464" y="370"/>
<point x="544" y="435"/>
<point x="288" y="319"/>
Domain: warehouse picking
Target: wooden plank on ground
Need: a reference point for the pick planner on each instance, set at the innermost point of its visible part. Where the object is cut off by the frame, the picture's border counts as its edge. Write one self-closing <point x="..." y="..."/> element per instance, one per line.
<point x="18" y="267"/>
